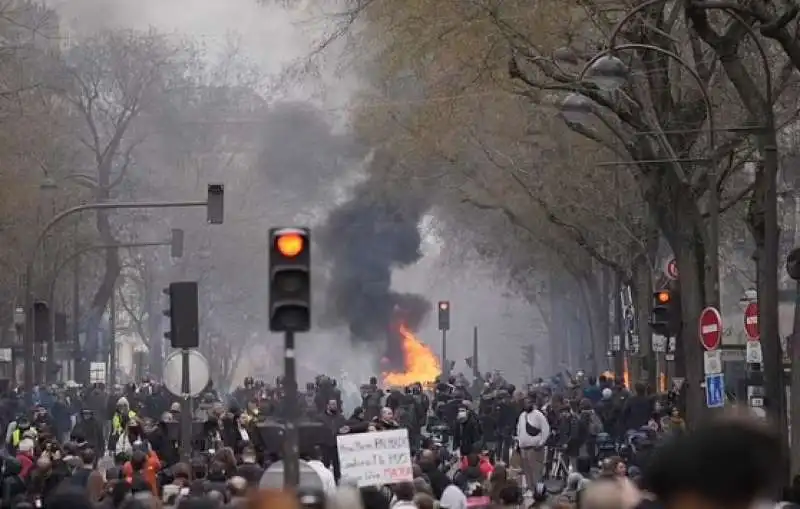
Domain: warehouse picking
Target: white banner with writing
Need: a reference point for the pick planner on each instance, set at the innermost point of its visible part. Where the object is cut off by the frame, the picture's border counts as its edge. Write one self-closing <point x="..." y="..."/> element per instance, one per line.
<point x="376" y="458"/>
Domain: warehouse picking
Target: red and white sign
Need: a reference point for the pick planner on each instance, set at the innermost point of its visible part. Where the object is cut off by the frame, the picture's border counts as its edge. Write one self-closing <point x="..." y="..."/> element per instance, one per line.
<point x="671" y="269"/>
<point x="751" y="327"/>
<point x="710" y="328"/>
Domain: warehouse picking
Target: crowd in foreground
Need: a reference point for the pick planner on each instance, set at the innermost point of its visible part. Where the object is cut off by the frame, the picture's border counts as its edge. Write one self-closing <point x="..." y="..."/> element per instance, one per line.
<point x="733" y="462"/>
<point x="123" y="458"/>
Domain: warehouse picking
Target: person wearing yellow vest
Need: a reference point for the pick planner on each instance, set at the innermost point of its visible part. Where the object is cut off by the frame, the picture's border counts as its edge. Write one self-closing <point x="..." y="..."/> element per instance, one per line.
<point x="22" y="431"/>
<point x="119" y="422"/>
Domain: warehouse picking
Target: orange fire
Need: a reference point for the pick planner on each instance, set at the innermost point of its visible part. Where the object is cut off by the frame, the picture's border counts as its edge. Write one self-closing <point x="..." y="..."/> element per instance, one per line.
<point x="422" y="365"/>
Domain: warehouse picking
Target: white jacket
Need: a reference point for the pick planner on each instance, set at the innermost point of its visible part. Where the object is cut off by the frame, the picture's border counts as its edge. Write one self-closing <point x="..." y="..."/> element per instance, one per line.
<point x="537" y="420"/>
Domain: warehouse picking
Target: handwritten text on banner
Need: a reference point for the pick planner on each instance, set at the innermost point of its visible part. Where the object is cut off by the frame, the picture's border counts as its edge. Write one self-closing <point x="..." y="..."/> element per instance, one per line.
<point x="376" y="458"/>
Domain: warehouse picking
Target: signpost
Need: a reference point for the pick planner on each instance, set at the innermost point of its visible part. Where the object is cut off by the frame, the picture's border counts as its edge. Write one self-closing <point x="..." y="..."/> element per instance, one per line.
<point x="715" y="391"/>
<point x="751" y="327"/>
<point x="710" y="328"/>
<point x="671" y="269"/>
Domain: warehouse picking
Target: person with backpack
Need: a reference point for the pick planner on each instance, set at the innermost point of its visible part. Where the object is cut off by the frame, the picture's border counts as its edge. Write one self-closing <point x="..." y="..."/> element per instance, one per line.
<point x="589" y="426"/>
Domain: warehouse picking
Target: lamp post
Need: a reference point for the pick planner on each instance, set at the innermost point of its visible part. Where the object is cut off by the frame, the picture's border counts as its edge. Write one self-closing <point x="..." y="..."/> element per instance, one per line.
<point x="214" y="204"/>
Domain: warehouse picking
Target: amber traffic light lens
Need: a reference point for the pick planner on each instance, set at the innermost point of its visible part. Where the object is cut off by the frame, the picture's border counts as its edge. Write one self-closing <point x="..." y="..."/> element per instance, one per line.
<point x="290" y="245"/>
<point x="663" y="297"/>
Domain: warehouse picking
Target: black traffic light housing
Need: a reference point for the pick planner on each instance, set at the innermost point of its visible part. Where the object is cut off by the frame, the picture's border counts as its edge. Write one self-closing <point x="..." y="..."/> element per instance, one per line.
<point x="215" y="207"/>
<point x="793" y="264"/>
<point x="665" y="317"/>
<point x="183" y="315"/>
<point x="176" y="243"/>
<point x="289" y="279"/>
<point x="444" y="315"/>
<point x="41" y="321"/>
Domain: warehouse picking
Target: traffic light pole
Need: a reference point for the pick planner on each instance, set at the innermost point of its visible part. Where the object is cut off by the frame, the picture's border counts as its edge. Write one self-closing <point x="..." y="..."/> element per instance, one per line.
<point x="445" y="366"/>
<point x="186" y="408"/>
<point x="291" y="446"/>
<point x="29" y="333"/>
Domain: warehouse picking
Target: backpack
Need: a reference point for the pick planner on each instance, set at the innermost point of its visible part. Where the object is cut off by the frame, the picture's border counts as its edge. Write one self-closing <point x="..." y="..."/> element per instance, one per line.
<point x="595" y="424"/>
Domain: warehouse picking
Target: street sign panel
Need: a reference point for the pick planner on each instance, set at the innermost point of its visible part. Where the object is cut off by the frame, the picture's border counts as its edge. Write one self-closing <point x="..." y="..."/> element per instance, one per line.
<point x="753" y="354"/>
<point x="715" y="391"/>
<point x="710" y="328"/>
<point x="659" y="343"/>
<point x="712" y="362"/>
<point x="751" y="327"/>
<point x="671" y="269"/>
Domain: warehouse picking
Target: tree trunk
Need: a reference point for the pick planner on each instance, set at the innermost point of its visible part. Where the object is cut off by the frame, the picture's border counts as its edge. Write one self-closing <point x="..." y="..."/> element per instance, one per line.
<point x="642" y="293"/>
<point x="558" y="325"/>
<point x="690" y="256"/>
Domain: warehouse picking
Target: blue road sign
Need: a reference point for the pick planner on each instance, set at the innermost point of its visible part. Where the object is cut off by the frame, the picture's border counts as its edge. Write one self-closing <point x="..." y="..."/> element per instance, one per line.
<point x="715" y="391"/>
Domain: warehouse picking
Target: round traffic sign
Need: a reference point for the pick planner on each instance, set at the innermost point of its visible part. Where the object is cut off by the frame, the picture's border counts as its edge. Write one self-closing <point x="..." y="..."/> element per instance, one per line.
<point x="751" y="327"/>
<point x="671" y="269"/>
<point x="199" y="374"/>
<point x="710" y="328"/>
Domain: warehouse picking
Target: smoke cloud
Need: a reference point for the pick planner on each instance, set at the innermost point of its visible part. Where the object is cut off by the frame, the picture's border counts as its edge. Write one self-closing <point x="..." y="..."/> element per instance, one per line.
<point x="363" y="240"/>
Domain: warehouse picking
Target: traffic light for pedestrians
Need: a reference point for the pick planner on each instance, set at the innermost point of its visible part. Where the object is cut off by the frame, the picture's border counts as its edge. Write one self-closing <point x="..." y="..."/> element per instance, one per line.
<point x="289" y="280"/>
<point x="444" y="315"/>
<point x="41" y="321"/>
<point x="665" y="318"/>
<point x="183" y="315"/>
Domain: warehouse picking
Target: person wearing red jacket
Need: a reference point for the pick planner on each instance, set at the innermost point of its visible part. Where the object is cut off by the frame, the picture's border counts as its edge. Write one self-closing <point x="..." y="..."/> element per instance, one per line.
<point x="481" y="461"/>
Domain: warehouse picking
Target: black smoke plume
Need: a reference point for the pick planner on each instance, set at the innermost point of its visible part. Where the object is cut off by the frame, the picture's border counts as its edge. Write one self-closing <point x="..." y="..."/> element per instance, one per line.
<point x="364" y="240"/>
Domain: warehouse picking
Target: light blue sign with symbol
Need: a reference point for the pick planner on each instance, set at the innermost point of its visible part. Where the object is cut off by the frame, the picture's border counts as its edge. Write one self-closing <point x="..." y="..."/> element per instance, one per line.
<point x="715" y="391"/>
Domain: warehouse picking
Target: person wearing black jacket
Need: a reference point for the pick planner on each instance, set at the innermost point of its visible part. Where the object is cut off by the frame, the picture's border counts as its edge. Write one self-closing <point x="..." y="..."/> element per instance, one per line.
<point x="468" y="431"/>
<point x="637" y="410"/>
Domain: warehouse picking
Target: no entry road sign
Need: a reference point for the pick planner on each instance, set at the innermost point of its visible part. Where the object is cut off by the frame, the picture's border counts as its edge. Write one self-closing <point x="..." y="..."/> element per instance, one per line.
<point x="751" y="327"/>
<point x="710" y="328"/>
<point x="671" y="269"/>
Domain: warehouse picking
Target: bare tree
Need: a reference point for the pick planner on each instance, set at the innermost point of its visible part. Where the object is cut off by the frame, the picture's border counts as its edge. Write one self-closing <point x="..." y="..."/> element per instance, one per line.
<point x="110" y="80"/>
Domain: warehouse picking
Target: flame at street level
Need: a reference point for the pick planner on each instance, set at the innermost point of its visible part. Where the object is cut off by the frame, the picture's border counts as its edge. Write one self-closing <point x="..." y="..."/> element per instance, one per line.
<point x="422" y="365"/>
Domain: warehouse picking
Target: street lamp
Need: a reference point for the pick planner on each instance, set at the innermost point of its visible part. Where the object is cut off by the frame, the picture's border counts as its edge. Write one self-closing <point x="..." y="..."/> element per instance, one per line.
<point x="608" y="72"/>
<point x="576" y="108"/>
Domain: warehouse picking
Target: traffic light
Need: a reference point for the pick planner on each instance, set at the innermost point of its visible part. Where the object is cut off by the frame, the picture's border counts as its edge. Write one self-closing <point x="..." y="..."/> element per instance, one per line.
<point x="528" y="357"/>
<point x="444" y="315"/>
<point x="183" y="315"/>
<point x="289" y="280"/>
<point x="215" y="206"/>
<point x="41" y="321"/>
<point x="176" y="243"/>
<point x="665" y="318"/>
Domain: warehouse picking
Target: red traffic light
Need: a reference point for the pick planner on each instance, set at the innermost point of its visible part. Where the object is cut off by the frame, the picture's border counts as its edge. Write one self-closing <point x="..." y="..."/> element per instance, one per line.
<point x="290" y="244"/>
<point x="663" y="297"/>
<point x="444" y="305"/>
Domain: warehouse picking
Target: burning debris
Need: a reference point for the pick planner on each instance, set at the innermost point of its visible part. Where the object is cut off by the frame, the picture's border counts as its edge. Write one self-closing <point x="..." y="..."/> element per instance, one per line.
<point x="420" y="363"/>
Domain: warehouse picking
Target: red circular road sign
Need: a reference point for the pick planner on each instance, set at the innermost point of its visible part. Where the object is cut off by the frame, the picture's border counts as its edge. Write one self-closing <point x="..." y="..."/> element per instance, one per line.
<point x="751" y="327"/>
<point x="672" y="269"/>
<point x="710" y="328"/>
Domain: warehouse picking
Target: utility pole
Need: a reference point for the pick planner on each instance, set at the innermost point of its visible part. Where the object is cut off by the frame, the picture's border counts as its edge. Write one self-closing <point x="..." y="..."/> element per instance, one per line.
<point x="475" y="369"/>
<point x="112" y="341"/>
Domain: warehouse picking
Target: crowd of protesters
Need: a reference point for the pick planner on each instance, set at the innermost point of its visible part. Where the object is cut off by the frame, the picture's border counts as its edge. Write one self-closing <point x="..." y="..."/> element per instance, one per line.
<point x="485" y="444"/>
